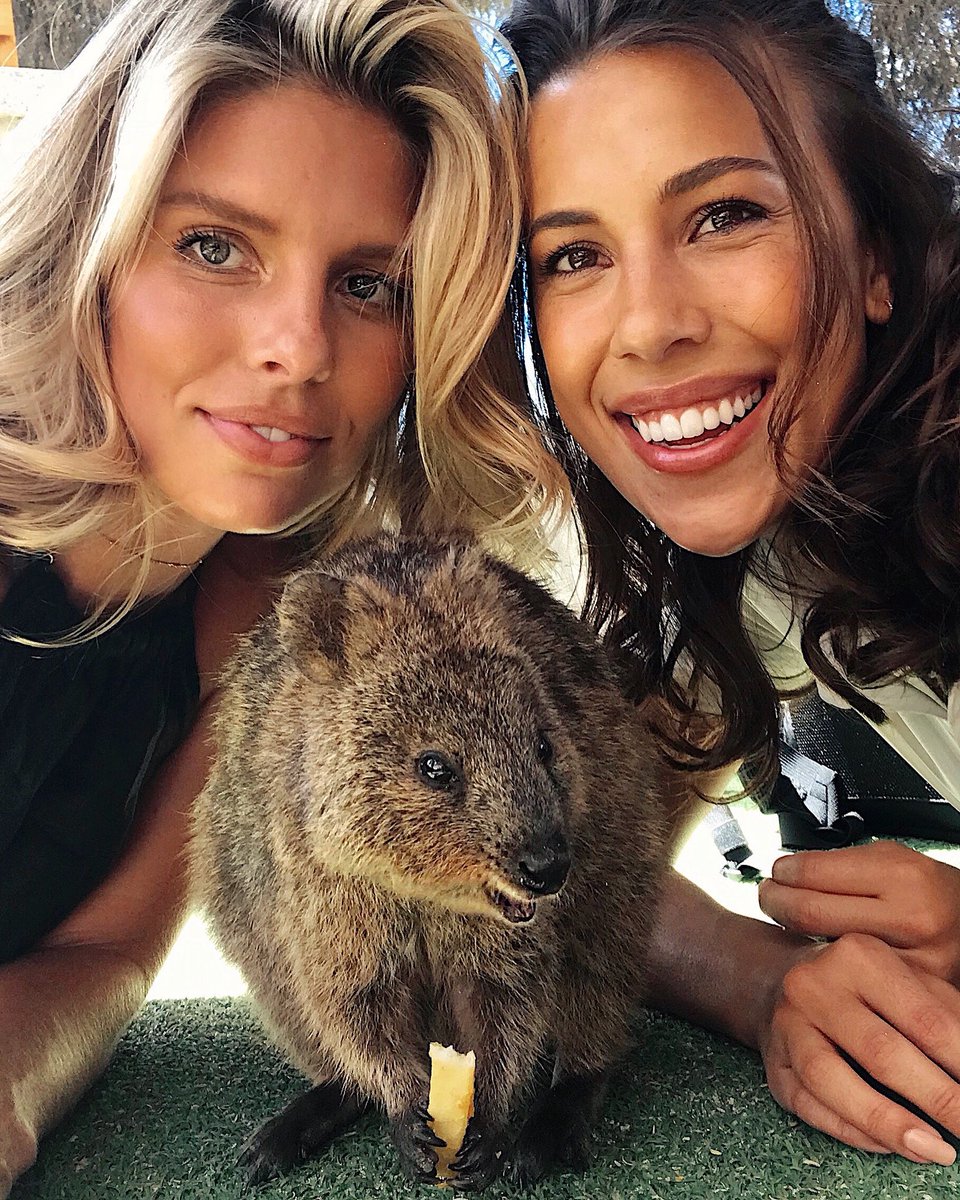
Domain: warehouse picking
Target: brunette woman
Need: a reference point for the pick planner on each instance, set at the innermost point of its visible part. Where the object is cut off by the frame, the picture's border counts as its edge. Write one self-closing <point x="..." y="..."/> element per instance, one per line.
<point x="743" y="278"/>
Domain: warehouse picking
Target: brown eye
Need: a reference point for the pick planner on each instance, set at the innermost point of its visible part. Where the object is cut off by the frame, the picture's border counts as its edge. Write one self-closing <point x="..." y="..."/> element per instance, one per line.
<point x="572" y="259"/>
<point x="545" y="749"/>
<point x="726" y="216"/>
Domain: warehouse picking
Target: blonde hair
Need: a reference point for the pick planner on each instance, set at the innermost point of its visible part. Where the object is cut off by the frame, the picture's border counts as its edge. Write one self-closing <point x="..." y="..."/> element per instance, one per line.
<point x="76" y="208"/>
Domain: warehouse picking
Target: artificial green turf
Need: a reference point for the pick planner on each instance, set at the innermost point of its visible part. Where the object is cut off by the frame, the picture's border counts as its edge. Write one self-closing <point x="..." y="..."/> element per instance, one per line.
<point x="689" y="1118"/>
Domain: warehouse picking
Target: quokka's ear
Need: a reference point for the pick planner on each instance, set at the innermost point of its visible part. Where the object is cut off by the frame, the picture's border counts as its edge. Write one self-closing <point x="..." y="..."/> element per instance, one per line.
<point x="312" y="619"/>
<point x="371" y="608"/>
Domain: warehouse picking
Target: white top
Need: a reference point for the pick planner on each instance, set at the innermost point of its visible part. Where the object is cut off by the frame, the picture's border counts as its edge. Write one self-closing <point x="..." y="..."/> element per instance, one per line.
<point x="922" y="730"/>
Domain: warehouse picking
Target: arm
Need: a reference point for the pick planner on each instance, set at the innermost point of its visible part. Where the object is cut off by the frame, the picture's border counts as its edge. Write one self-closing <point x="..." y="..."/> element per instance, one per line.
<point x="64" y="1005"/>
<point x="714" y="967"/>
<point x="711" y="966"/>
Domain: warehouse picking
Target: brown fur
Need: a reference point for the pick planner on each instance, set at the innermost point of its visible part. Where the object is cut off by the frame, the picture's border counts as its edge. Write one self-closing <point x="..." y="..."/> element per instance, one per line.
<point x="357" y="900"/>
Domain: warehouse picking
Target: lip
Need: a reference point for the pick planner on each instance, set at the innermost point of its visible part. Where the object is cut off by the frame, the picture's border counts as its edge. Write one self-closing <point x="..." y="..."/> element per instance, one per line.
<point x="512" y="910"/>
<point x="233" y="428"/>
<point x="706" y="455"/>
<point x="690" y="393"/>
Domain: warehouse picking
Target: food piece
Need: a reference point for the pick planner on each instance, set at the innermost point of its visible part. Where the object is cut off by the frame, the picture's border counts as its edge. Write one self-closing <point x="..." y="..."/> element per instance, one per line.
<point x="451" y="1101"/>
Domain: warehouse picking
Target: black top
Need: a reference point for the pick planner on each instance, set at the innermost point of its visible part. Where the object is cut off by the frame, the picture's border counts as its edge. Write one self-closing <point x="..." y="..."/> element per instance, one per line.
<point x="81" y="730"/>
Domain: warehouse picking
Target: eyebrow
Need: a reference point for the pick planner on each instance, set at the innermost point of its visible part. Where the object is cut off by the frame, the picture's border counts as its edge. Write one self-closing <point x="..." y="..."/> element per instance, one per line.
<point x="561" y="219"/>
<point x="219" y="207"/>
<point x="710" y="169"/>
<point x="677" y="185"/>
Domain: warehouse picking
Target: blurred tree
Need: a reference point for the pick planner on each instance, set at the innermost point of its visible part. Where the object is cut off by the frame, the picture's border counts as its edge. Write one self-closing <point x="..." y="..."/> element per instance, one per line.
<point x="918" y="58"/>
<point x="917" y="41"/>
<point x="50" y="32"/>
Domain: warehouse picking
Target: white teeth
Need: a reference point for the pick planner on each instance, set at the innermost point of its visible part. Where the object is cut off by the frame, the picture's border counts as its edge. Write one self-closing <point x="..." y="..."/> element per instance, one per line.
<point x="269" y="434"/>
<point x="691" y="423"/>
<point x="641" y="427"/>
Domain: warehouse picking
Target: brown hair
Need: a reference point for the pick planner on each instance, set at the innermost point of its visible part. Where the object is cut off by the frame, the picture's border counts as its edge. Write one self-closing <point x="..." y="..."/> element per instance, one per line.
<point x="880" y="522"/>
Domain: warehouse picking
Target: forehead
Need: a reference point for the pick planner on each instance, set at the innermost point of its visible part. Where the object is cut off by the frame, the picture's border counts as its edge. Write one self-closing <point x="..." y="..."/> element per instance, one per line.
<point x="637" y="112"/>
<point x="288" y="147"/>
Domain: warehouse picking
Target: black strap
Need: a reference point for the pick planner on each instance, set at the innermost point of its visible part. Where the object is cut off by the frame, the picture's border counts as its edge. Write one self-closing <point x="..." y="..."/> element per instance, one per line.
<point x="839" y="782"/>
<point x="810" y="801"/>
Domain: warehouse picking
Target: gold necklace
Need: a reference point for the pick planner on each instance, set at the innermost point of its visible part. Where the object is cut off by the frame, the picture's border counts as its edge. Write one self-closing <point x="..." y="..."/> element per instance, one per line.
<point x="163" y="562"/>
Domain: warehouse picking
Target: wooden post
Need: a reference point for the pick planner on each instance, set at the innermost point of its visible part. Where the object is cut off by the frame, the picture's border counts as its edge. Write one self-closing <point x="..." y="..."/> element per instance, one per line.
<point x="8" y="38"/>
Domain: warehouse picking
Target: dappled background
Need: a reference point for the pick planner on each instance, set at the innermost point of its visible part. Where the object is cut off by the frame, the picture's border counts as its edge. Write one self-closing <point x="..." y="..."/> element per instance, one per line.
<point x="918" y="50"/>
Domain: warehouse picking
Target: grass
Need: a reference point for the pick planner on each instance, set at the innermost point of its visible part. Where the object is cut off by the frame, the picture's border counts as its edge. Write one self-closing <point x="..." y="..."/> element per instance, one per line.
<point x="689" y="1117"/>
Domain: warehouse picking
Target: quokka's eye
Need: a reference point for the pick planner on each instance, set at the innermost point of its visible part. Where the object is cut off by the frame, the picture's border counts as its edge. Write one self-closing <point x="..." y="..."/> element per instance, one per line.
<point x="436" y="770"/>
<point x="544" y="749"/>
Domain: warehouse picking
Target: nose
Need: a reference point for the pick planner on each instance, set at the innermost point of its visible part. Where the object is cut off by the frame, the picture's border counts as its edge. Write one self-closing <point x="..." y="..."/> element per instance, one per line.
<point x="290" y="336"/>
<point x="656" y="309"/>
<point x="544" y="864"/>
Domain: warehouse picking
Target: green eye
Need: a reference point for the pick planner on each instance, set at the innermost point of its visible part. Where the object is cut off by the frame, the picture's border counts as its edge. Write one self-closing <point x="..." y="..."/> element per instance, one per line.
<point x="365" y="287"/>
<point x="214" y="250"/>
<point x="209" y="249"/>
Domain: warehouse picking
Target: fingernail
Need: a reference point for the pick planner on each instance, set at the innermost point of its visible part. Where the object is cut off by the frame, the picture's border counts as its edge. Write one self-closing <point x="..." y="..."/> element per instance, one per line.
<point x="784" y="869"/>
<point x="929" y="1146"/>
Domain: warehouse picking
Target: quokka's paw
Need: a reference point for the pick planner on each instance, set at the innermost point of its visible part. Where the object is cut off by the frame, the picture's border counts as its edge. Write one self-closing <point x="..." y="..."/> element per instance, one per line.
<point x="416" y="1143"/>
<point x="479" y="1160"/>
<point x="557" y="1136"/>
<point x="299" y="1132"/>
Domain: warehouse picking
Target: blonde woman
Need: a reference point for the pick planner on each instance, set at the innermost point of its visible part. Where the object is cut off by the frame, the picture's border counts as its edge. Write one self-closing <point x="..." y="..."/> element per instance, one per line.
<point x="252" y="241"/>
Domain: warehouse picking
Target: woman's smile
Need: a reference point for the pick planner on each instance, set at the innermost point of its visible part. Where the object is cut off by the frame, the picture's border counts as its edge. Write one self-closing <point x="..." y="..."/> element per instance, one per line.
<point x="693" y="426"/>
<point x="256" y="437"/>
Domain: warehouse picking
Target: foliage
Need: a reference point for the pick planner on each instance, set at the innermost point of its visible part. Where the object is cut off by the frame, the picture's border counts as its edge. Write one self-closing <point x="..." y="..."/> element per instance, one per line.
<point x="918" y="58"/>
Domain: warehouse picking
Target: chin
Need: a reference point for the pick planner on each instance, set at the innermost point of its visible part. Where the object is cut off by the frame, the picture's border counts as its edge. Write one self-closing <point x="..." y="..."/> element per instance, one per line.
<point x="703" y="534"/>
<point x="236" y="519"/>
<point x="711" y="542"/>
<point x="263" y="525"/>
<point x="711" y="547"/>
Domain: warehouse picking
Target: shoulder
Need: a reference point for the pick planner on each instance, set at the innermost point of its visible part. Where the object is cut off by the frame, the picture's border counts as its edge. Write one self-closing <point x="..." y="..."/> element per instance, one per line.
<point x="238" y="584"/>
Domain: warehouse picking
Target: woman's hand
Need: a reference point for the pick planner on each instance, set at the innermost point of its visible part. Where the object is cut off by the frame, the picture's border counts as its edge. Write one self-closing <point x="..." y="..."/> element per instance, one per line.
<point x="899" y="1022"/>
<point x="906" y="899"/>
<point x="883" y="992"/>
<point x="805" y="1005"/>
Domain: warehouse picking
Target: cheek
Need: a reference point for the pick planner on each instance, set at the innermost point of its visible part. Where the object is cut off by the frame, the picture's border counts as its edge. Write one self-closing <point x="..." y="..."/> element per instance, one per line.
<point x="375" y="370"/>
<point x="764" y="296"/>
<point x="154" y="330"/>
<point x="574" y="332"/>
<point x="572" y="364"/>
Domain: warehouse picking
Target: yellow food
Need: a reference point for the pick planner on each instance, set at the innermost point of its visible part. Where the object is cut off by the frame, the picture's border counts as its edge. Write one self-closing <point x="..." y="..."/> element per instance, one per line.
<point x="451" y="1101"/>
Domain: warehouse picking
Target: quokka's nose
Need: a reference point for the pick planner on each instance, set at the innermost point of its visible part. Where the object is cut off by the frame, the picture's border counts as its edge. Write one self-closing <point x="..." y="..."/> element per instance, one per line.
<point x="544" y="865"/>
